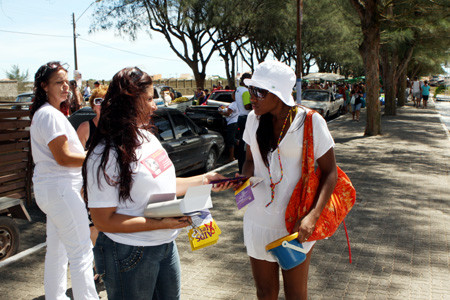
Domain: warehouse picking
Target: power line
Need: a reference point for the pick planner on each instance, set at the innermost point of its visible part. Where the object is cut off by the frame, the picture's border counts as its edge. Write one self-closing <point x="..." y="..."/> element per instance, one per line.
<point x="127" y="51"/>
<point x="86" y="40"/>
<point x="36" y="34"/>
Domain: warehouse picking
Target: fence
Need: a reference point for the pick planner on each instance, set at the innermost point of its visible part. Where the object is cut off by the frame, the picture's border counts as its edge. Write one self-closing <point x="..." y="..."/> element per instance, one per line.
<point x="15" y="154"/>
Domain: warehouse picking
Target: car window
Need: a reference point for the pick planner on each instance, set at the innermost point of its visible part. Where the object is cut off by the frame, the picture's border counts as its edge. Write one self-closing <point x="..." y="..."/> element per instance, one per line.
<point x="182" y="128"/>
<point x="155" y="94"/>
<point x="315" y="96"/>
<point x="164" y="129"/>
<point x="224" y="97"/>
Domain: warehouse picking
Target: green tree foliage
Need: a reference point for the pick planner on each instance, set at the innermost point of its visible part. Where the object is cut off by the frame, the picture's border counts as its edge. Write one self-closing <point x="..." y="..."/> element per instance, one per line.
<point x="411" y="37"/>
<point x="16" y="74"/>
<point x="186" y="25"/>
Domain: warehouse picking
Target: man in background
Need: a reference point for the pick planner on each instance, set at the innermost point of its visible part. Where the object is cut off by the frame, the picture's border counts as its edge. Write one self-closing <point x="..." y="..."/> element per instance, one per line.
<point x="243" y="107"/>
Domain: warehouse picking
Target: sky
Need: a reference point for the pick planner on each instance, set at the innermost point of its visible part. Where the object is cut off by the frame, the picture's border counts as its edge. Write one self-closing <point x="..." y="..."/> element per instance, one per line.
<point x="49" y="36"/>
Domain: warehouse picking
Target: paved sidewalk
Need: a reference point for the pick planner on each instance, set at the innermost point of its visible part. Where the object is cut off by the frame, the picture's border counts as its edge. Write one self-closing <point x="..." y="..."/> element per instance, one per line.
<point x="399" y="228"/>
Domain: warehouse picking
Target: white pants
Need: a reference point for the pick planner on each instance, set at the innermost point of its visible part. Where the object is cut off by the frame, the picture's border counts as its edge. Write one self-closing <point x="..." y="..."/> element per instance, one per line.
<point x="68" y="240"/>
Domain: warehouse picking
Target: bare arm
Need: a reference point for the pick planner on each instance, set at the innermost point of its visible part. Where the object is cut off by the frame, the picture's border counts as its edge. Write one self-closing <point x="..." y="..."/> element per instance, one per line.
<point x="183" y="183"/>
<point x="328" y="179"/>
<point x="63" y="156"/>
<point x="249" y="167"/>
<point x="83" y="133"/>
<point x="107" y="220"/>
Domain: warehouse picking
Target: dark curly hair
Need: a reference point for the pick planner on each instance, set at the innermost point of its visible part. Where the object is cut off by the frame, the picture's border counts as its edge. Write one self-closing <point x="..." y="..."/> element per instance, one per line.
<point x="41" y="77"/>
<point x="122" y="112"/>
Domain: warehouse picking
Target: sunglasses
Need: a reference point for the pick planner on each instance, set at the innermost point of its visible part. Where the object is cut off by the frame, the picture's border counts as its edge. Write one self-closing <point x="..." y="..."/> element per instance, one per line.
<point x="98" y="101"/>
<point x="257" y="93"/>
<point x="50" y="66"/>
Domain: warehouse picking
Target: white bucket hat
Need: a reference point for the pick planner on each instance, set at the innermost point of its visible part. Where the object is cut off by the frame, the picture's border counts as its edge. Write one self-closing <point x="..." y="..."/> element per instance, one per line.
<point x="276" y="77"/>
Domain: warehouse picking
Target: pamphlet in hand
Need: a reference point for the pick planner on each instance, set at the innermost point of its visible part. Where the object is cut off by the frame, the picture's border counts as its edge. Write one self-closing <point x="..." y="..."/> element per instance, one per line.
<point x="244" y="194"/>
<point x="197" y="198"/>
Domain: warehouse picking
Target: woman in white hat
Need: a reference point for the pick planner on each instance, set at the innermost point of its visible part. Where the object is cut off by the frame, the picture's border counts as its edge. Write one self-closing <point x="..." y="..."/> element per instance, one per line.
<point x="274" y="137"/>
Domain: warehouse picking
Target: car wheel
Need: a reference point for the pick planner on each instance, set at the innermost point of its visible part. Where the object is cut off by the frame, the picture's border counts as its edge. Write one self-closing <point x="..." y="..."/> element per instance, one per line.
<point x="9" y="237"/>
<point x="211" y="160"/>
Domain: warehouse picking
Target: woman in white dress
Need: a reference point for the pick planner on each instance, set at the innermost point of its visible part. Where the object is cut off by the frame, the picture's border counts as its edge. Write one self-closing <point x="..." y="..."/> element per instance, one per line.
<point x="274" y="137"/>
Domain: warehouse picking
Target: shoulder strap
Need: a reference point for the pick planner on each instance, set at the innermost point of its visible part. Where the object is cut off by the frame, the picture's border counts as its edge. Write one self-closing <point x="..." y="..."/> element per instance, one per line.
<point x="308" y="145"/>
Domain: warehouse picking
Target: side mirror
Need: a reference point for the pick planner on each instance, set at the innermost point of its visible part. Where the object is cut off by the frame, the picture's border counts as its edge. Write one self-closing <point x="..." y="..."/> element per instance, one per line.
<point x="203" y="130"/>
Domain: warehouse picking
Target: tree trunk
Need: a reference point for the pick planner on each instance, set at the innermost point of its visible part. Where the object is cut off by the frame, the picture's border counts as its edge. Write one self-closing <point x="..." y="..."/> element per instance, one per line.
<point x="369" y="50"/>
<point x="199" y="76"/>
<point x="401" y="90"/>
<point x="389" y="66"/>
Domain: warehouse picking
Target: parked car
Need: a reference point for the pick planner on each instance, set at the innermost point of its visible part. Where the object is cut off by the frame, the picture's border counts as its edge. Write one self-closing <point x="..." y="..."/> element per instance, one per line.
<point x="323" y="101"/>
<point x="189" y="146"/>
<point x="220" y="97"/>
<point x="207" y="116"/>
<point x="25" y="99"/>
<point x="163" y="94"/>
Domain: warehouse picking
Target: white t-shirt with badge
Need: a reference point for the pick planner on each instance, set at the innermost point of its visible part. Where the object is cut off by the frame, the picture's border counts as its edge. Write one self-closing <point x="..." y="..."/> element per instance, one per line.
<point x="154" y="173"/>
<point x="47" y="124"/>
<point x="263" y="225"/>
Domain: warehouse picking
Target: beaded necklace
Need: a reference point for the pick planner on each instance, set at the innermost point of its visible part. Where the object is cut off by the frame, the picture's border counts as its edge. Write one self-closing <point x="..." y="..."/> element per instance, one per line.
<point x="272" y="184"/>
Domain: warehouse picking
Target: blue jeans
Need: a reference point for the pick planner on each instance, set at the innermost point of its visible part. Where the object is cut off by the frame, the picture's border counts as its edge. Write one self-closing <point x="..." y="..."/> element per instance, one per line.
<point x="136" y="272"/>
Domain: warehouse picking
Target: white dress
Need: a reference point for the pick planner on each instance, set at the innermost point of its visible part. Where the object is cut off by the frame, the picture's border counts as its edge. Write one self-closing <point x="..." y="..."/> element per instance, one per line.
<point x="263" y="225"/>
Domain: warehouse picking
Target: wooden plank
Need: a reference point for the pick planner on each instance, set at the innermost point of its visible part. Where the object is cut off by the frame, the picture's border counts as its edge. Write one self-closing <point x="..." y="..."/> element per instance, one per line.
<point x="15" y="166"/>
<point x="12" y="192"/>
<point x="17" y="145"/>
<point x="13" y="157"/>
<point x="13" y="113"/>
<point x="13" y="135"/>
<point x="14" y="124"/>
<point x="22" y="174"/>
<point x="12" y="186"/>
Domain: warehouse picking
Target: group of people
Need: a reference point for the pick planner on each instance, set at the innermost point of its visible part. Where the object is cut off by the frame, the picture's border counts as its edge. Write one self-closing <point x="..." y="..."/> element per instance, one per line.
<point x="420" y="91"/>
<point x="137" y="256"/>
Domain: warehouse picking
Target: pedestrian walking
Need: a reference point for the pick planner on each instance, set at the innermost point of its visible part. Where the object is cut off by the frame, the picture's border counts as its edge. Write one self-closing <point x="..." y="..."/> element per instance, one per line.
<point x="231" y="115"/>
<point x="416" y="88"/>
<point x="425" y="93"/>
<point x="274" y="137"/>
<point x="58" y="156"/>
<point x="126" y="164"/>
<point x="244" y="107"/>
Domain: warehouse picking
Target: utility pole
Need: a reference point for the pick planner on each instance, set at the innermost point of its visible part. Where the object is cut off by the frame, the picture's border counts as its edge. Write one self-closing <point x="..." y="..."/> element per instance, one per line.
<point x="299" y="50"/>
<point x="74" y="41"/>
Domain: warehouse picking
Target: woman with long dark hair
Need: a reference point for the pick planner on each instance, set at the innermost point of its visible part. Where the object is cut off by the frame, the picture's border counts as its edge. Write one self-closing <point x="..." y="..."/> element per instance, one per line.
<point x="126" y="164"/>
<point x="274" y="137"/>
<point x="59" y="155"/>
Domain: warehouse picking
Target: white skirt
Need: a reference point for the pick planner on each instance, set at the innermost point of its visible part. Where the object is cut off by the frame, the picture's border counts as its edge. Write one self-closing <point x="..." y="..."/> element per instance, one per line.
<point x="261" y="228"/>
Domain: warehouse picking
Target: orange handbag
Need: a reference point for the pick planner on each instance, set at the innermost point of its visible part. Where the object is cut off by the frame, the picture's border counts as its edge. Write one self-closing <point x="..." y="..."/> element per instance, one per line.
<point x="302" y="199"/>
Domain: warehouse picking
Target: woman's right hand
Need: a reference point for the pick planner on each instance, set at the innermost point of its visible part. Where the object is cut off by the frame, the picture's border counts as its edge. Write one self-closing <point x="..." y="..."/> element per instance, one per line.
<point x="175" y="223"/>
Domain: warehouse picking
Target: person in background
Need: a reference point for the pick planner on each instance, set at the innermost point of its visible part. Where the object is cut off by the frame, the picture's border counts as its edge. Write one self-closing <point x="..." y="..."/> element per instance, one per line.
<point x="231" y="115"/>
<point x="244" y="107"/>
<point x="64" y="107"/>
<point x="274" y="137"/>
<point x="136" y="256"/>
<point x="416" y="89"/>
<point x="58" y="156"/>
<point x="97" y="86"/>
<point x="425" y="93"/>
<point x="76" y="101"/>
<point x="87" y="90"/>
<point x="87" y="129"/>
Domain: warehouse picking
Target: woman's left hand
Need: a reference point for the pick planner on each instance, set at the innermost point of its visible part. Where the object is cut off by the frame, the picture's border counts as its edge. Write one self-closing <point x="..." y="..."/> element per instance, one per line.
<point x="211" y="176"/>
<point x="305" y="227"/>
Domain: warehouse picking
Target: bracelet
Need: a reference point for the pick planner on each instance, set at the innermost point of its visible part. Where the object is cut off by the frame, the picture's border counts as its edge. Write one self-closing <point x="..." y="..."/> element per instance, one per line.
<point x="203" y="179"/>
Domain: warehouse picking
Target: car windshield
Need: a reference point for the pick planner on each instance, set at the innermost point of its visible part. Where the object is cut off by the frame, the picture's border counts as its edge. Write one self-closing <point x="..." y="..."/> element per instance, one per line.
<point x="315" y="95"/>
<point x="222" y="96"/>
